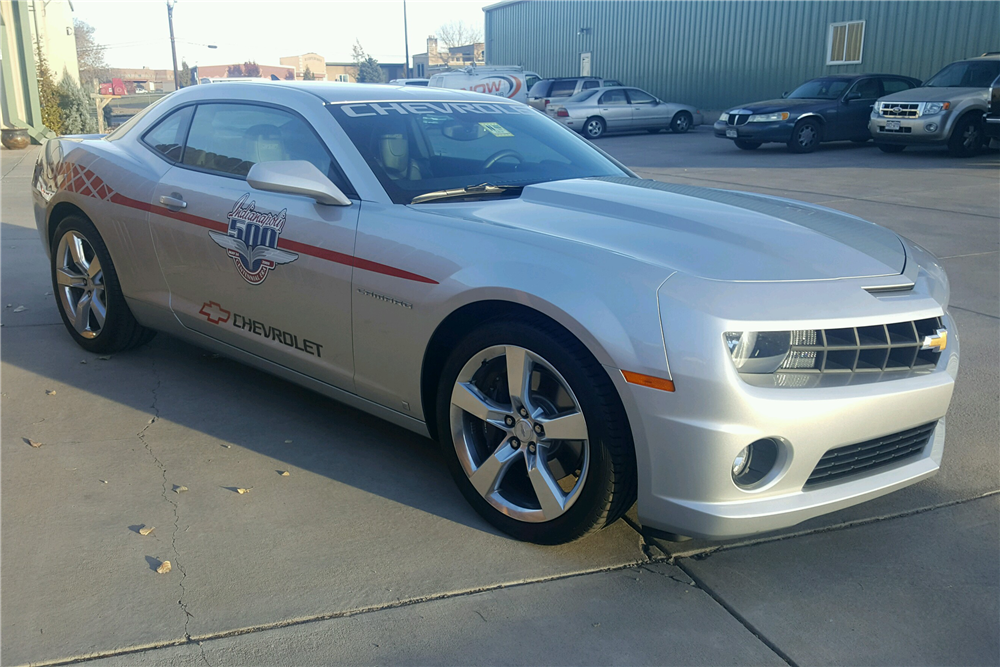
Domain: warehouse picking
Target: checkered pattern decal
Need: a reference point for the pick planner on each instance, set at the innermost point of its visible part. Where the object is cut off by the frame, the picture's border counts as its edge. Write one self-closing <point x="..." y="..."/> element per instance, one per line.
<point x="74" y="178"/>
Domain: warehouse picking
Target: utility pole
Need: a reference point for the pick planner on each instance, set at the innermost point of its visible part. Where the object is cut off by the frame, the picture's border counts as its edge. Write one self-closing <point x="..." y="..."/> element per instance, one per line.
<point x="173" y="48"/>
<point x="406" y="43"/>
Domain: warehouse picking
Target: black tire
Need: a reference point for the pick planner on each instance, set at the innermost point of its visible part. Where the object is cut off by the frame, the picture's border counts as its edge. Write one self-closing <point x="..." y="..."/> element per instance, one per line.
<point x="746" y="145"/>
<point x="594" y="127"/>
<point x="891" y="148"/>
<point x="120" y="330"/>
<point x="806" y="136"/>
<point x="967" y="137"/>
<point x="609" y="488"/>
<point x="681" y="122"/>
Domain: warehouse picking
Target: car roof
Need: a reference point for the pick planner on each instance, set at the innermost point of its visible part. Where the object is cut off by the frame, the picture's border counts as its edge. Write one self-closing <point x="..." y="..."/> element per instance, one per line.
<point x="335" y="91"/>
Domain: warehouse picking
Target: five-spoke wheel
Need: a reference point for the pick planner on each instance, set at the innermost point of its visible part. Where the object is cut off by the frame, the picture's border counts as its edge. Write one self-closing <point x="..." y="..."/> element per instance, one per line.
<point x="81" y="284"/>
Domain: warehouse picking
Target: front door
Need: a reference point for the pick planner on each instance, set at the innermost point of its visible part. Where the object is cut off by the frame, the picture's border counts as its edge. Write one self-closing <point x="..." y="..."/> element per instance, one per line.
<point x="647" y="112"/>
<point x="856" y="109"/>
<point x="615" y="109"/>
<point x="268" y="273"/>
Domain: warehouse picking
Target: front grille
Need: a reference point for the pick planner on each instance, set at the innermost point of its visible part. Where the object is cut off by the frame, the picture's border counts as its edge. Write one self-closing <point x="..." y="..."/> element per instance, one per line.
<point x="873" y="349"/>
<point x="863" y="457"/>
<point x="900" y="109"/>
<point x="738" y="119"/>
<point x="901" y="130"/>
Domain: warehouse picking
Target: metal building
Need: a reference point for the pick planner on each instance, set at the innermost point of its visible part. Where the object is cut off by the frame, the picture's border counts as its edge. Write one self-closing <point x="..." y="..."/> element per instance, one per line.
<point x="718" y="54"/>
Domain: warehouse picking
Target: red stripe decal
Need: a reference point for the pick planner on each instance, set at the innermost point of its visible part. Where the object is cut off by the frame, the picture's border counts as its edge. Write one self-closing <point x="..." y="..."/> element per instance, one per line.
<point x="287" y="244"/>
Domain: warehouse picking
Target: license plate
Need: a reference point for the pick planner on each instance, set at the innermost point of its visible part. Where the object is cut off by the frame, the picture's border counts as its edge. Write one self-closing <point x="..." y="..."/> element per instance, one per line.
<point x="732" y="133"/>
<point x="892" y="126"/>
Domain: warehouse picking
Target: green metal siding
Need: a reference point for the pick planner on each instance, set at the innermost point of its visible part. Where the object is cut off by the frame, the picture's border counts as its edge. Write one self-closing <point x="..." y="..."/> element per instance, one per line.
<point x="716" y="55"/>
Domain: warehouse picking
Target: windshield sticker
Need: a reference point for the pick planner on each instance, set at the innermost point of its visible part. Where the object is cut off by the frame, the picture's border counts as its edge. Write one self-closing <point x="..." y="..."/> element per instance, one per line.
<point x="496" y="129"/>
<point x="252" y="240"/>
<point x="361" y="109"/>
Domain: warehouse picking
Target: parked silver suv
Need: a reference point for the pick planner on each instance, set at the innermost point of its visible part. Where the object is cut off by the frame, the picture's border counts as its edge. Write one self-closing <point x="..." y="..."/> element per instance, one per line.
<point x="547" y="91"/>
<point x="947" y="109"/>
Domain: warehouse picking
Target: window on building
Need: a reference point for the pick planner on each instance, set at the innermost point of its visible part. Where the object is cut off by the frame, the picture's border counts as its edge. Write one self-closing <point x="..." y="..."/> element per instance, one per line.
<point x="344" y="78"/>
<point x="845" y="43"/>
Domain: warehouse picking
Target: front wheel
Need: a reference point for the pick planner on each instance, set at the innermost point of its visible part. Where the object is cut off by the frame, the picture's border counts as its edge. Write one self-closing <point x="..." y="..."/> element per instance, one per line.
<point x="594" y="127"/>
<point x="681" y="122"/>
<point x="87" y="291"/>
<point x="806" y="136"/>
<point x="967" y="137"/>
<point x="534" y="432"/>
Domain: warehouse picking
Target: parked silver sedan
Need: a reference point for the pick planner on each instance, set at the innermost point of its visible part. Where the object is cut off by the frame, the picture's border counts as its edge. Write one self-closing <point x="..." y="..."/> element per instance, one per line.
<point x="622" y="109"/>
<point x="576" y="338"/>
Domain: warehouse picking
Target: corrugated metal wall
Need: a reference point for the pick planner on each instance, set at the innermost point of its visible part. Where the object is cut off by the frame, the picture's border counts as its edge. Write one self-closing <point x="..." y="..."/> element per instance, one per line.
<point x="716" y="55"/>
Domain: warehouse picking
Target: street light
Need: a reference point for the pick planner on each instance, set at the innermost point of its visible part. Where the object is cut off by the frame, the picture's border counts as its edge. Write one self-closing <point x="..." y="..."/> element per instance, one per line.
<point x="173" y="48"/>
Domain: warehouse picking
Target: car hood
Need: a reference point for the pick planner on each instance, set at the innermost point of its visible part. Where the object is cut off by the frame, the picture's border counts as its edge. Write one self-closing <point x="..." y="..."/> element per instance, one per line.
<point x="923" y="94"/>
<point x="770" y="106"/>
<point x="713" y="234"/>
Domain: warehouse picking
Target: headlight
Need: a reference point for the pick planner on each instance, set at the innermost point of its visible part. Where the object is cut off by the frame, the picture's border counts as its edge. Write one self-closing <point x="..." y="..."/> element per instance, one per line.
<point x="768" y="117"/>
<point x="770" y="351"/>
<point x="931" y="108"/>
<point x="724" y="117"/>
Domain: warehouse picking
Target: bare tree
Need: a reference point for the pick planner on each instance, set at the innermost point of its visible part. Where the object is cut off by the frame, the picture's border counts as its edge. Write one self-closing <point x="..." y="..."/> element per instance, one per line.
<point x="459" y="33"/>
<point x="90" y="56"/>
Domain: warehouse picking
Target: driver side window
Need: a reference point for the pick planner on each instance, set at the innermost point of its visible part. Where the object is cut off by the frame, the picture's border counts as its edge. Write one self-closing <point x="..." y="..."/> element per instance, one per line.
<point x="614" y="97"/>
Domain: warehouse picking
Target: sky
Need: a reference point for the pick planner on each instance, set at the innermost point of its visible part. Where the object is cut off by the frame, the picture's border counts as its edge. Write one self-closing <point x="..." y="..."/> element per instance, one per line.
<point x="136" y="34"/>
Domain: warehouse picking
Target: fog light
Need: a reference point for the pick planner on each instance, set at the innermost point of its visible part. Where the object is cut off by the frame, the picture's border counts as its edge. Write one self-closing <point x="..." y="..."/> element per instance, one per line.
<point x="931" y="127"/>
<point x="754" y="462"/>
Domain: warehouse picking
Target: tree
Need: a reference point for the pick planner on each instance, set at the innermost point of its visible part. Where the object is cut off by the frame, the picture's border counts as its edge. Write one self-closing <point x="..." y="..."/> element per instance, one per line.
<point x="366" y="69"/>
<point x="234" y="71"/>
<point x="250" y="68"/>
<point x="48" y="96"/>
<point x="76" y="107"/>
<point x="308" y="75"/>
<point x="185" y="75"/>
<point x="459" y="33"/>
<point x="90" y="56"/>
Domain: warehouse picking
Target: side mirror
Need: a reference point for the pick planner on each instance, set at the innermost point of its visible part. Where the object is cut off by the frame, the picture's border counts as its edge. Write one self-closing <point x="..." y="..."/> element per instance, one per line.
<point x="853" y="95"/>
<point x="296" y="177"/>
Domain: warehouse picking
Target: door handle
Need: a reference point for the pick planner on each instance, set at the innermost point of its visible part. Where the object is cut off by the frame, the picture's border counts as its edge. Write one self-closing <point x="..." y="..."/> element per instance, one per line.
<point x="173" y="202"/>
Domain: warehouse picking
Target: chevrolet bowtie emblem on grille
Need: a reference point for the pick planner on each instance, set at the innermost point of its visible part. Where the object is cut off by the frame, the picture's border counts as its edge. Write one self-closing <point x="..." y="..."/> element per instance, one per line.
<point x="936" y="342"/>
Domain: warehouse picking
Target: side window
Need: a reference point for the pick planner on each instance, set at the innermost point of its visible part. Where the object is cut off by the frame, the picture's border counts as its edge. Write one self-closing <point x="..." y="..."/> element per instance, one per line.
<point x="563" y="88"/>
<point x="229" y="138"/>
<point x="611" y="82"/>
<point x="639" y="97"/>
<point x="895" y="85"/>
<point x="590" y="83"/>
<point x="167" y="136"/>
<point x="614" y="97"/>
<point x="866" y="88"/>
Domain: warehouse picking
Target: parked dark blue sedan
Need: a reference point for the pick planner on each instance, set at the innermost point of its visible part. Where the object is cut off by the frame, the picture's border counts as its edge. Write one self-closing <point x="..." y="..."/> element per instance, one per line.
<point x="830" y="108"/>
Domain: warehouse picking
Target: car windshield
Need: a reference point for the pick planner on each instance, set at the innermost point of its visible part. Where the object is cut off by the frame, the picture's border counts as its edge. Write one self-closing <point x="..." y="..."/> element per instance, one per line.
<point x="418" y="147"/>
<point x="580" y="97"/>
<point x="966" y="74"/>
<point x="820" y="89"/>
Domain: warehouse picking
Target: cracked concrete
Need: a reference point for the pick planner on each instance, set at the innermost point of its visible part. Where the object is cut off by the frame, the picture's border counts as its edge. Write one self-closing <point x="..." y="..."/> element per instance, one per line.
<point x="366" y="553"/>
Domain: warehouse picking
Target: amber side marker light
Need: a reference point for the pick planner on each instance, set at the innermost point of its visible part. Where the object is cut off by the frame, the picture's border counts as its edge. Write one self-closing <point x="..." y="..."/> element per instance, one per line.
<point x="648" y="381"/>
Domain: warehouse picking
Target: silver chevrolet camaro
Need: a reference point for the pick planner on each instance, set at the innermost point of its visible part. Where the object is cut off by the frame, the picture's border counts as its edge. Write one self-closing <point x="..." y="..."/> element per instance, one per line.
<point x="577" y="338"/>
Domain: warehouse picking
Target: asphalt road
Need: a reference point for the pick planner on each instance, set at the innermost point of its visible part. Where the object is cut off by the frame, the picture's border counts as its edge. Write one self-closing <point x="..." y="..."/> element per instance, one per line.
<point x="366" y="553"/>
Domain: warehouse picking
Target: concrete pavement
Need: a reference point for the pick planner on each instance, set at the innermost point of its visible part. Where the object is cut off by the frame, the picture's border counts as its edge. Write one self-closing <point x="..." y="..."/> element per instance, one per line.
<point x="366" y="553"/>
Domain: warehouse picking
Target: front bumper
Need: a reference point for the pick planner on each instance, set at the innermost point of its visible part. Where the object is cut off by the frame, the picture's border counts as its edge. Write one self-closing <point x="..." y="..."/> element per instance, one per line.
<point x="686" y="440"/>
<point x="779" y="131"/>
<point x="924" y="130"/>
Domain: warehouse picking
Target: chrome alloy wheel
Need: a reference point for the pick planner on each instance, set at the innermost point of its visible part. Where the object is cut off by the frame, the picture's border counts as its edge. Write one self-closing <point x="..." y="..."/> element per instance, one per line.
<point x="520" y="433"/>
<point x="594" y="128"/>
<point x="80" y="281"/>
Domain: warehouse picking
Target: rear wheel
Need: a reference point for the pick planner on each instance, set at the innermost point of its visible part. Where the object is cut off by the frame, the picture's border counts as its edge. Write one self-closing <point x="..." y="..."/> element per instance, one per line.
<point x="681" y="122"/>
<point x="806" y="136"/>
<point x="534" y="432"/>
<point x="967" y="137"/>
<point x="747" y="145"/>
<point x="87" y="291"/>
<point x="891" y="148"/>
<point x="594" y="127"/>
